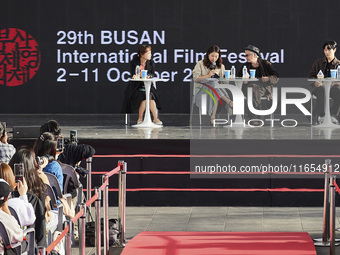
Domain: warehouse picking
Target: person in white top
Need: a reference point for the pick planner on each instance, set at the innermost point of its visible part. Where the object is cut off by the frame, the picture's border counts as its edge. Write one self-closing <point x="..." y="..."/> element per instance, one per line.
<point x="14" y="231"/>
<point x="22" y="207"/>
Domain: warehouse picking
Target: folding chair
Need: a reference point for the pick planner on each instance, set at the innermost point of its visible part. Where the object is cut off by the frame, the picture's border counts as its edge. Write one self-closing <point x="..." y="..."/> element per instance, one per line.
<point x="70" y="175"/>
<point x="30" y="236"/>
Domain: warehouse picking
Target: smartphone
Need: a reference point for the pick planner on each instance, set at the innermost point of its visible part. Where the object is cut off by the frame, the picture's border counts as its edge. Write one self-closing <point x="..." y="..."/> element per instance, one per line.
<point x="60" y="144"/>
<point x="19" y="172"/>
<point x="73" y="136"/>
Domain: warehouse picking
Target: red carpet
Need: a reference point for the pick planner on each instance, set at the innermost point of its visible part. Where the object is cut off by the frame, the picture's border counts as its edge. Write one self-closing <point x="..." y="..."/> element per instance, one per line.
<point x="215" y="243"/>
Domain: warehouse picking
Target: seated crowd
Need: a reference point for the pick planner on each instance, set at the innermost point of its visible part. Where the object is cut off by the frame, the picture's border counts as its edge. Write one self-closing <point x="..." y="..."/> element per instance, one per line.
<point x="25" y="202"/>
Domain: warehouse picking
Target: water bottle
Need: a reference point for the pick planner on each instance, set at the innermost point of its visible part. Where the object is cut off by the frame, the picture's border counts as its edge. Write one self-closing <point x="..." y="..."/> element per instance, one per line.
<point x="244" y="72"/>
<point x="137" y="72"/>
<point x="338" y="72"/>
<point x="232" y="72"/>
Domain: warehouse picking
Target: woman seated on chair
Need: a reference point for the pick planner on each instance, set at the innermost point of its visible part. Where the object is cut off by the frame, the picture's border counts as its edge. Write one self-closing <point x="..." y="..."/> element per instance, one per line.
<point x="135" y="98"/>
<point x="36" y="192"/>
<point x="20" y="204"/>
<point x="47" y="145"/>
<point x="15" y="233"/>
<point x="211" y="67"/>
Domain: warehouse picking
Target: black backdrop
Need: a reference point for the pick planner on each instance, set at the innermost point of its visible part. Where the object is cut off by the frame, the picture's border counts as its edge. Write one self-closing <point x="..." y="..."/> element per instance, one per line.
<point x="291" y="31"/>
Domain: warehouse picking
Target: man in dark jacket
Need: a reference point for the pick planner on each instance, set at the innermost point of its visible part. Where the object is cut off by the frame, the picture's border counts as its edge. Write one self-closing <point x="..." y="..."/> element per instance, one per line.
<point x="266" y="74"/>
<point x="317" y="88"/>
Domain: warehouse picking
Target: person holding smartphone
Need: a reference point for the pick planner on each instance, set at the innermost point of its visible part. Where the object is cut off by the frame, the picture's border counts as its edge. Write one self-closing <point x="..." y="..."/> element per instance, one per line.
<point x="23" y="208"/>
<point x="6" y="150"/>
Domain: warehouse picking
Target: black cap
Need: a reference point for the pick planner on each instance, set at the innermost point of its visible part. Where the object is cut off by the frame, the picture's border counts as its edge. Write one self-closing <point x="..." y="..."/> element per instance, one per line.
<point x="5" y="189"/>
<point x="253" y="49"/>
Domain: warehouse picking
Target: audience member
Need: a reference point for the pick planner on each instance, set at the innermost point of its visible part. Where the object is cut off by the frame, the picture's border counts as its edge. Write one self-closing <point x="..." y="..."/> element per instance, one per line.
<point x="20" y="204"/>
<point x="6" y="150"/>
<point x="14" y="231"/>
<point x="44" y="145"/>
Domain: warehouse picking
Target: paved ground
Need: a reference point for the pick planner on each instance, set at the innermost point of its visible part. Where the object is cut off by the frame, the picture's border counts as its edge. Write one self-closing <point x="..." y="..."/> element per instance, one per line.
<point x="231" y="219"/>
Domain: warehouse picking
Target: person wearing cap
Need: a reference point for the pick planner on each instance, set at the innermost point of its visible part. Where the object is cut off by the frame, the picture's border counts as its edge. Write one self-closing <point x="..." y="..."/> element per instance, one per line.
<point x="325" y="64"/>
<point x="6" y="150"/>
<point x="265" y="72"/>
<point x="14" y="231"/>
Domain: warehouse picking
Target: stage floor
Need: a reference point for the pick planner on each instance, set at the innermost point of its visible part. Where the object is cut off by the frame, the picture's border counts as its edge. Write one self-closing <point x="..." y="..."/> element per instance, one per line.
<point x="176" y="126"/>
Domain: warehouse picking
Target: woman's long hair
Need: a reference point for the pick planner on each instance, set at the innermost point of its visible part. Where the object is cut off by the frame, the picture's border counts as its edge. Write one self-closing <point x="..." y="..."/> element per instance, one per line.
<point x="35" y="184"/>
<point x="211" y="49"/>
<point x="142" y="50"/>
<point x="45" y="145"/>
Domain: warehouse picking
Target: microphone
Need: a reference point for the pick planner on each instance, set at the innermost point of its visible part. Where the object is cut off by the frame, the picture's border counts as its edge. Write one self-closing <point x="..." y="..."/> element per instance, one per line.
<point x="213" y="66"/>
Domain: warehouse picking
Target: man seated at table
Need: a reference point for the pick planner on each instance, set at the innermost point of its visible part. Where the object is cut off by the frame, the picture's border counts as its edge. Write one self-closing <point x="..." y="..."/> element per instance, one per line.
<point x="267" y="76"/>
<point x="317" y="89"/>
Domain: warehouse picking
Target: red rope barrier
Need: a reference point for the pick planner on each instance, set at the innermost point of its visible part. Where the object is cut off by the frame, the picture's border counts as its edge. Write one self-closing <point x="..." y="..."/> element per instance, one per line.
<point x="92" y="199"/>
<point x="104" y="185"/>
<point x="336" y="187"/>
<point x="222" y="190"/>
<point x="113" y="171"/>
<point x="57" y="240"/>
<point x="77" y="216"/>
<point x="214" y="156"/>
<point x="80" y="213"/>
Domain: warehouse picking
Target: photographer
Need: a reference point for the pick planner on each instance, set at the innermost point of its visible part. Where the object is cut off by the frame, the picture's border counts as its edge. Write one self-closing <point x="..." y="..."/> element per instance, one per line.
<point x="72" y="154"/>
<point x="6" y="150"/>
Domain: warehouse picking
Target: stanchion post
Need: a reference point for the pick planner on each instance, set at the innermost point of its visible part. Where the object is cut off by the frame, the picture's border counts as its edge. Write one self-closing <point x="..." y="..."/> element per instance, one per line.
<point x="82" y="230"/>
<point x="324" y="241"/>
<point x="89" y="183"/>
<point x="98" y="231"/>
<point x="332" y="215"/>
<point x="106" y="214"/>
<point x="68" y="237"/>
<point x="122" y="202"/>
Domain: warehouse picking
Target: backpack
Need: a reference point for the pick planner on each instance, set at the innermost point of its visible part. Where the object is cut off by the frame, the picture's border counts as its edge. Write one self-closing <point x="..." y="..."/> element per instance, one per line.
<point x="113" y="233"/>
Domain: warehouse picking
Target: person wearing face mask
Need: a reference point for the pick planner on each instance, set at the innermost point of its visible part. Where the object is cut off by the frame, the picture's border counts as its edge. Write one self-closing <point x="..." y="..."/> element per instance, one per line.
<point x="134" y="96"/>
<point x="267" y="75"/>
<point x="325" y="64"/>
<point x="211" y="67"/>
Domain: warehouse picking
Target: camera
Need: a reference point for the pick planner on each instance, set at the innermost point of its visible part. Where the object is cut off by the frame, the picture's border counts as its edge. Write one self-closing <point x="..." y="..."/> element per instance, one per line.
<point x="81" y="171"/>
<point x="40" y="159"/>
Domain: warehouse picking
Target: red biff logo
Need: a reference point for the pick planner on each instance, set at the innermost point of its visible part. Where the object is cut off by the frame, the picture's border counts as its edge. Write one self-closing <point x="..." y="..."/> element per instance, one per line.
<point x="19" y="57"/>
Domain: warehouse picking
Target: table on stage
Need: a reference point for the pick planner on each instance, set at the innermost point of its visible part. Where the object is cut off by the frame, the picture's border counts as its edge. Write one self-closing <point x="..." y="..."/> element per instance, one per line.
<point x="147" y="123"/>
<point x="328" y="120"/>
<point x="238" y="82"/>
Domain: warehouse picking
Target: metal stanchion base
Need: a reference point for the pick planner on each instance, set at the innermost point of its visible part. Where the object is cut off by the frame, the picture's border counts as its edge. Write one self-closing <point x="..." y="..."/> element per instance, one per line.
<point x="318" y="242"/>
